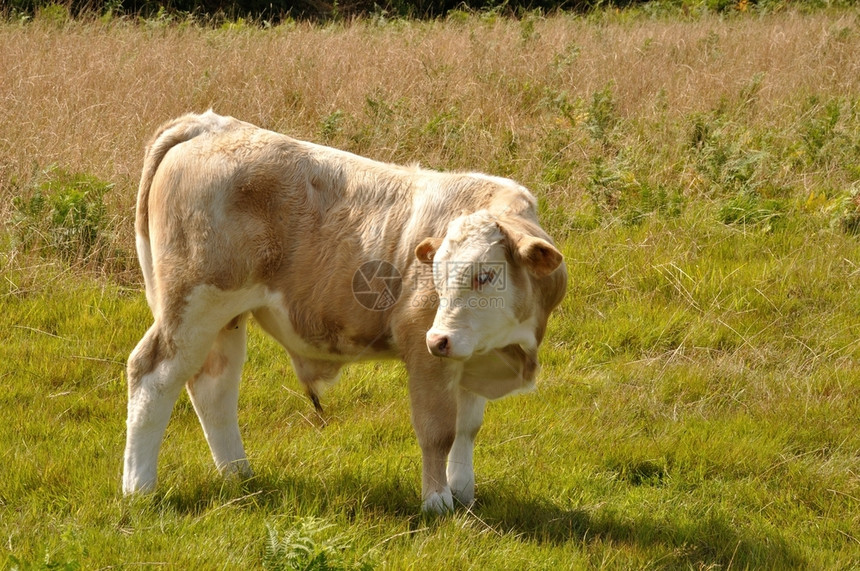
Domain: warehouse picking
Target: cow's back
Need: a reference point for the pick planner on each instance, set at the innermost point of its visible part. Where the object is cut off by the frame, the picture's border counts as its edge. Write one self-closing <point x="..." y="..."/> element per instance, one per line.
<point x="239" y="205"/>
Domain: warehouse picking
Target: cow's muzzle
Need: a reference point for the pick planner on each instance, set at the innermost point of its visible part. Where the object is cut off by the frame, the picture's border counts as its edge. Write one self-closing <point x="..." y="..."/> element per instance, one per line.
<point x="449" y="344"/>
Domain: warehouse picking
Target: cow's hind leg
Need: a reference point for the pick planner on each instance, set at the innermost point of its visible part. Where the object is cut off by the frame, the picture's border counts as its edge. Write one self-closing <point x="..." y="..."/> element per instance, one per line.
<point x="173" y="351"/>
<point x="461" y="472"/>
<point x="214" y="392"/>
<point x="157" y="369"/>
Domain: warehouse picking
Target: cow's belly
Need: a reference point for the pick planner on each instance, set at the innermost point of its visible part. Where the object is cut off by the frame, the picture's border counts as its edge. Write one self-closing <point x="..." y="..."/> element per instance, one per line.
<point x="321" y="338"/>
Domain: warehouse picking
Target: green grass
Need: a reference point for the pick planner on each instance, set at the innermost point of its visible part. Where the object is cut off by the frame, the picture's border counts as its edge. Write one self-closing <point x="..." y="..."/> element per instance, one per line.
<point x="699" y="401"/>
<point x="698" y="408"/>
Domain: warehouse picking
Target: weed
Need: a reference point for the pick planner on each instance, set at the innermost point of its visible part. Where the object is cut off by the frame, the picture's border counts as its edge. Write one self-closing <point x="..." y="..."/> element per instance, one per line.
<point x="302" y="548"/>
<point x="458" y="17"/>
<point x="237" y="25"/>
<point x="49" y="564"/>
<point x="609" y="182"/>
<point x="749" y="93"/>
<point x="615" y="189"/>
<point x="653" y="199"/>
<point x="110" y="10"/>
<point x="567" y="58"/>
<point x="444" y="124"/>
<point x="700" y="133"/>
<point x="847" y="213"/>
<point x="332" y="124"/>
<point x="723" y="157"/>
<point x="54" y="14"/>
<point x="747" y="208"/>
<point x="601" y="114"/>
<point x="376" y="106"/>
<point x="447" y="129"/>
<point x="164" y="18"/>
<point x="819" y="129"/>
<point x="62" y="214"/>
<point x="711" y="43"/>
<point x="528" y="33"/>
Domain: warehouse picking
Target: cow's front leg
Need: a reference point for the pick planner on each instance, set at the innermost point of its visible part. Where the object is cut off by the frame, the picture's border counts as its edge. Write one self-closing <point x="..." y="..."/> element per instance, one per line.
<point x="461" y="471"/>
<point x="433" y="396"/>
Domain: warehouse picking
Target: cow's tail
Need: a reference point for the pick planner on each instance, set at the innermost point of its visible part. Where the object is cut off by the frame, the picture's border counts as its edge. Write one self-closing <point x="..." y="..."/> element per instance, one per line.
<point x="168" y="136"/>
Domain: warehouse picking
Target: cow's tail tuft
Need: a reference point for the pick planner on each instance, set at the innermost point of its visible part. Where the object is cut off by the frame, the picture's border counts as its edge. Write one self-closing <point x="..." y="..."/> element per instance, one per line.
<point x="315" y="399"/>
<point x="168" y="136"/>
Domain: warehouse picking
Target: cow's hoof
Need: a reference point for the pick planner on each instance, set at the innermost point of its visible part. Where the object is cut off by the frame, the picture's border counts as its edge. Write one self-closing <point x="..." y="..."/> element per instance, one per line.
<point x="465" y="496"/>
<point x="462" y="484"/>
<point x="239" y="470"/>
<point x="439" y="502"/>
<point x="132" y="486"/>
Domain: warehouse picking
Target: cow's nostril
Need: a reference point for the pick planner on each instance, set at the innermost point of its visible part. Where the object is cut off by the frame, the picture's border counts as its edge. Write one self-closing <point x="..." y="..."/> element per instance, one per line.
<point x="439" y="345"/>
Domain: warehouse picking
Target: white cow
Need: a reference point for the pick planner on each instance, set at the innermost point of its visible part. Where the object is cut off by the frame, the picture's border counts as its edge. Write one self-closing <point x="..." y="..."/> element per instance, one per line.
<point x="339" y="258"/>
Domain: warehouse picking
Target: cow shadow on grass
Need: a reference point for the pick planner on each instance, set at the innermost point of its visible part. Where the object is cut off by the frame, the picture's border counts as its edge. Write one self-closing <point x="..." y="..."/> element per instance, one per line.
<point x="712" y="540"/>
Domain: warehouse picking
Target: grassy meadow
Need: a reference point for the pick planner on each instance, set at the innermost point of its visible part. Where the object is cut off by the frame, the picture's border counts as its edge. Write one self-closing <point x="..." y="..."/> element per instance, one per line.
<point x="699" y="402"/>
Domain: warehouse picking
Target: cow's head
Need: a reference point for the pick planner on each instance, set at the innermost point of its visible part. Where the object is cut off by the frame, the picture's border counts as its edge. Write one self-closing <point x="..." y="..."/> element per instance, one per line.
<point x="486" y="271"/>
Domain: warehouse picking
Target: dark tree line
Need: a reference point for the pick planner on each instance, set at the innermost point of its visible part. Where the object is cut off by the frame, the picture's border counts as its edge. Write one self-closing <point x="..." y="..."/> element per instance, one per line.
<point x="274" y="10"/>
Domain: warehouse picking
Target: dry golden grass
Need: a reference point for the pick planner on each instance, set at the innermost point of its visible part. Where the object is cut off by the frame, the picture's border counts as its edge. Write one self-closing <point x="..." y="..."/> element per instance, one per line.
<point x="497" y="95"/>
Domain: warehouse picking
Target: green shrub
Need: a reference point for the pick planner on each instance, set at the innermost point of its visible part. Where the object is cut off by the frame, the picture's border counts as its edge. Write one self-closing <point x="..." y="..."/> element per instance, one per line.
<point x="61" y="214"/>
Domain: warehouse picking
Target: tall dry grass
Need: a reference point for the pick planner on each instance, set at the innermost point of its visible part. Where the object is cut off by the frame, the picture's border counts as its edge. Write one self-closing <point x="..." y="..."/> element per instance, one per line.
<point x="500" y="95"/>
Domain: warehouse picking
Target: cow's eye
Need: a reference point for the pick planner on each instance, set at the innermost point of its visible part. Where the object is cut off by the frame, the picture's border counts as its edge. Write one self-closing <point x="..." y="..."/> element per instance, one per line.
<point x="484" y="278"/>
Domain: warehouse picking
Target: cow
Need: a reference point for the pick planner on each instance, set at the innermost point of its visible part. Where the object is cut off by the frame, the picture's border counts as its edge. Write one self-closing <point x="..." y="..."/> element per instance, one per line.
<point x="340" y="259"/>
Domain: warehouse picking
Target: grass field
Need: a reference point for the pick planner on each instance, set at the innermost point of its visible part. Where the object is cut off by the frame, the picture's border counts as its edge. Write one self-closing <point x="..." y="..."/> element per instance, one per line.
<point x="699" y="402"/>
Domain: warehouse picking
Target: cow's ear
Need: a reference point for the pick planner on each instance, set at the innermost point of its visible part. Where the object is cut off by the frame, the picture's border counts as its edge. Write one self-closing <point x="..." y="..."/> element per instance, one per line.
<point x="539" y="256"/>
<point x="427" y="249"/>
